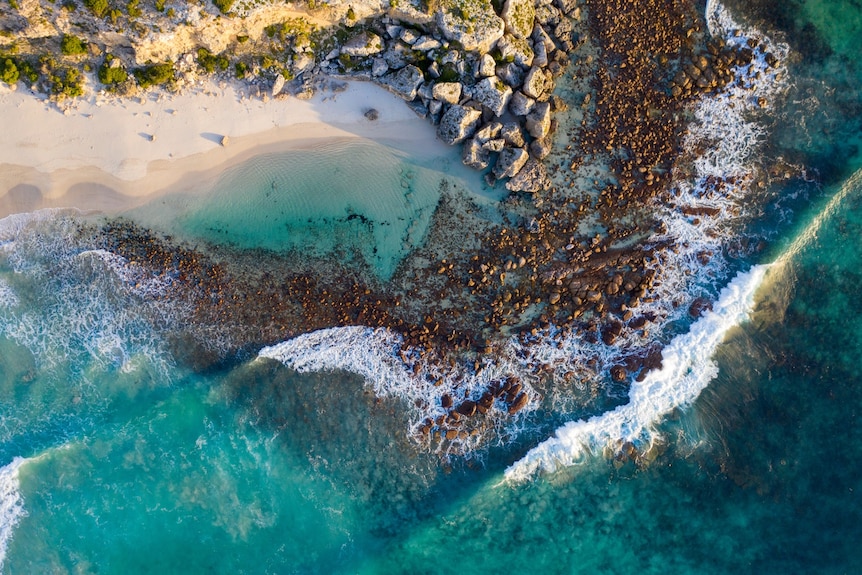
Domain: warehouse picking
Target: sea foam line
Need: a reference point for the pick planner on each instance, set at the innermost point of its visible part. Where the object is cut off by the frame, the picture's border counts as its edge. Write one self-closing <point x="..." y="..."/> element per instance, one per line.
<point x="686" y="370"/>
<point x="11" y="503"/>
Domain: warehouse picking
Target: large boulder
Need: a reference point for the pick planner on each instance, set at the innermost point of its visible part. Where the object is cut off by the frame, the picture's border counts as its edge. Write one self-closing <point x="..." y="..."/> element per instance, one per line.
<point x="520" y="104"/>
<point x="475" y="155"/>
<point x="510" y="161"/>
<point x="405" y="82"/>
<point x="515" y="50"/>
<point x="458" y="123"/>
<point x="485" y="67"/>
<point x="535" y="83"/>
<point x="493" y="94"/>
<point x="362" y="45"/>
<point x="531" y="178"/>
<point x="448" y="92"/>
<point x="539" y="120"/>
<point x="512" y="74"/>
<point x="473" y="24"/>
<point x="512" y="134"/>
<point x="519" y="16"/>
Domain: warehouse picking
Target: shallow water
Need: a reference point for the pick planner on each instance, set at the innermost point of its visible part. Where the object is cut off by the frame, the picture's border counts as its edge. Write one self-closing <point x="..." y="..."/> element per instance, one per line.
<point x="136" y="464"/>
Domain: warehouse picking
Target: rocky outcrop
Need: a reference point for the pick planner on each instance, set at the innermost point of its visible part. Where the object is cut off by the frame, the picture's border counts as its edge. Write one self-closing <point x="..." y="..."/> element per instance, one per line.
<point x="447" y="92"/>
<point x="405" y="82"/>
<point x="516" y="50"/>
<point x="475" y="155"/>
<point x="362" y="45"/>
<point x="493" y="94"/>
<point x="518" y="16"/>
<point x="539" y="120"/>
<point x="510" y="162"/>
<point x="532" y="178"/>
<point x="458" y="124"/>
<point x="474" y="25"/>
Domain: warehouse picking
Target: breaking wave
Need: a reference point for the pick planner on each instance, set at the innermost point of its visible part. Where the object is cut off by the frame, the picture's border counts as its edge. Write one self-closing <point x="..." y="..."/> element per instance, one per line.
<point x="11" y="503"/>
<point x="687" y="370"/>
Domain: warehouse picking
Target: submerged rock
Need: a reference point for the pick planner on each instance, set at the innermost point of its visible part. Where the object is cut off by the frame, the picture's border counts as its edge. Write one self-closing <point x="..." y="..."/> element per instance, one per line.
<point x="532" y="178"/>
<point x="475" y="155"/>
<point x="510" y="162"/>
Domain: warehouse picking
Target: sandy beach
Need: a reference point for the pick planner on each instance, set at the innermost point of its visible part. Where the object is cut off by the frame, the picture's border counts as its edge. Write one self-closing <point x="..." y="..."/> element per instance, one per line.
<point x="108" y="154"/>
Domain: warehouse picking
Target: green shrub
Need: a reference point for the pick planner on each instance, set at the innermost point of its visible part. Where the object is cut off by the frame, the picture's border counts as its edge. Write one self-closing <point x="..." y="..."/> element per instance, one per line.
<point x="67" y="83"/>
<point x="72" y="45"/>
<point x="133" y="9"/>
<point x="223" y="5"/>
<point x="210" y="62"/>
<point x="97" y="7"/>
<point x="9" y="72"/>
<point x="241" y="69"/>
<point x="109" y="75"/>
<point x="154" y="74"/>
<point x="160" y="5"/>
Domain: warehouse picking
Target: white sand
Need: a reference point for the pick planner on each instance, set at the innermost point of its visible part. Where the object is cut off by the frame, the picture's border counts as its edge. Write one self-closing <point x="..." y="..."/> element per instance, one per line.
<point x="108" y="154"/>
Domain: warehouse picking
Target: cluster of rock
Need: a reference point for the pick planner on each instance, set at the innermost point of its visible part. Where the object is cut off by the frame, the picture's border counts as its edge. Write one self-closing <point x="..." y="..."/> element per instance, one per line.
<point x="459" y="421"/>
<point x="487" y="86"/>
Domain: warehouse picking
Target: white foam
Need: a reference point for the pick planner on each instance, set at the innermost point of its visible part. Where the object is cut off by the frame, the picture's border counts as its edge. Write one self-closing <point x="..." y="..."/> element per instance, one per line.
<point x="11" y="503"/>
<point x="687" y="370"/>
<point x="375" y="354"/>
<point x="8" y="298"/>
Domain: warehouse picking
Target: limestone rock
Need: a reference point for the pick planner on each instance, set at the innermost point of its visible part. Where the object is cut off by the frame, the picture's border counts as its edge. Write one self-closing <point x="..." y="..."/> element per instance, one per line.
<point x="397" y="55"/>
<point x="513" y="135"/>
<point x="278" y="86"/>
<point x="458" y="123"/>
<point x="410" y="13"/>
<point x="474" y="25"/>
<point x="534" y="83"/>
<point x="449" y="92"/>
<point x="426" y="43"/>
<point x="540" y="55"/>
<point x="539" y="120"/>
<point x="493" y="94"/>
<point x="540" y="149"/>
<point x="519" y="16"/>
<point x="521" y="104"/>
<point x="409" y="36"/>
<point x="379" y="67"/>
<point x="363" y="44"/>
<point x="435" y="107"/>
<point x="485" y="66"/>
<point x="567" y="7"/>
<point x="532" y="178"/>
<point x="405" y="82"/>
<point x="475" y="155"/>
<point x="511" y="74"/>
<point x="495" y="145"/>
<point x="515" y="50"/>
<point x="394" y="31"/>
<point x="510" y="162"/>
<point x="489" y="131"/>
<point x="225" y="141"/>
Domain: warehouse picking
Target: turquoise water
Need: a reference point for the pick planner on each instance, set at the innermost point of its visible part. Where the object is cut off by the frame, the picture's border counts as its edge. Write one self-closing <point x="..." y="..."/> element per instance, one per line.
<point x="137" y="464"/>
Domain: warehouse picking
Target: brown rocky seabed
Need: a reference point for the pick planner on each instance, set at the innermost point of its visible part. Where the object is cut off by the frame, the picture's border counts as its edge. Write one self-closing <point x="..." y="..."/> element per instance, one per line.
<point x="535" y="275"/>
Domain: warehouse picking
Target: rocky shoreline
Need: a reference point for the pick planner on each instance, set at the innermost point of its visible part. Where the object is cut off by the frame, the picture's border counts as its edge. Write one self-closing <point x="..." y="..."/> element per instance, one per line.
<point x="489" y="87"/>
